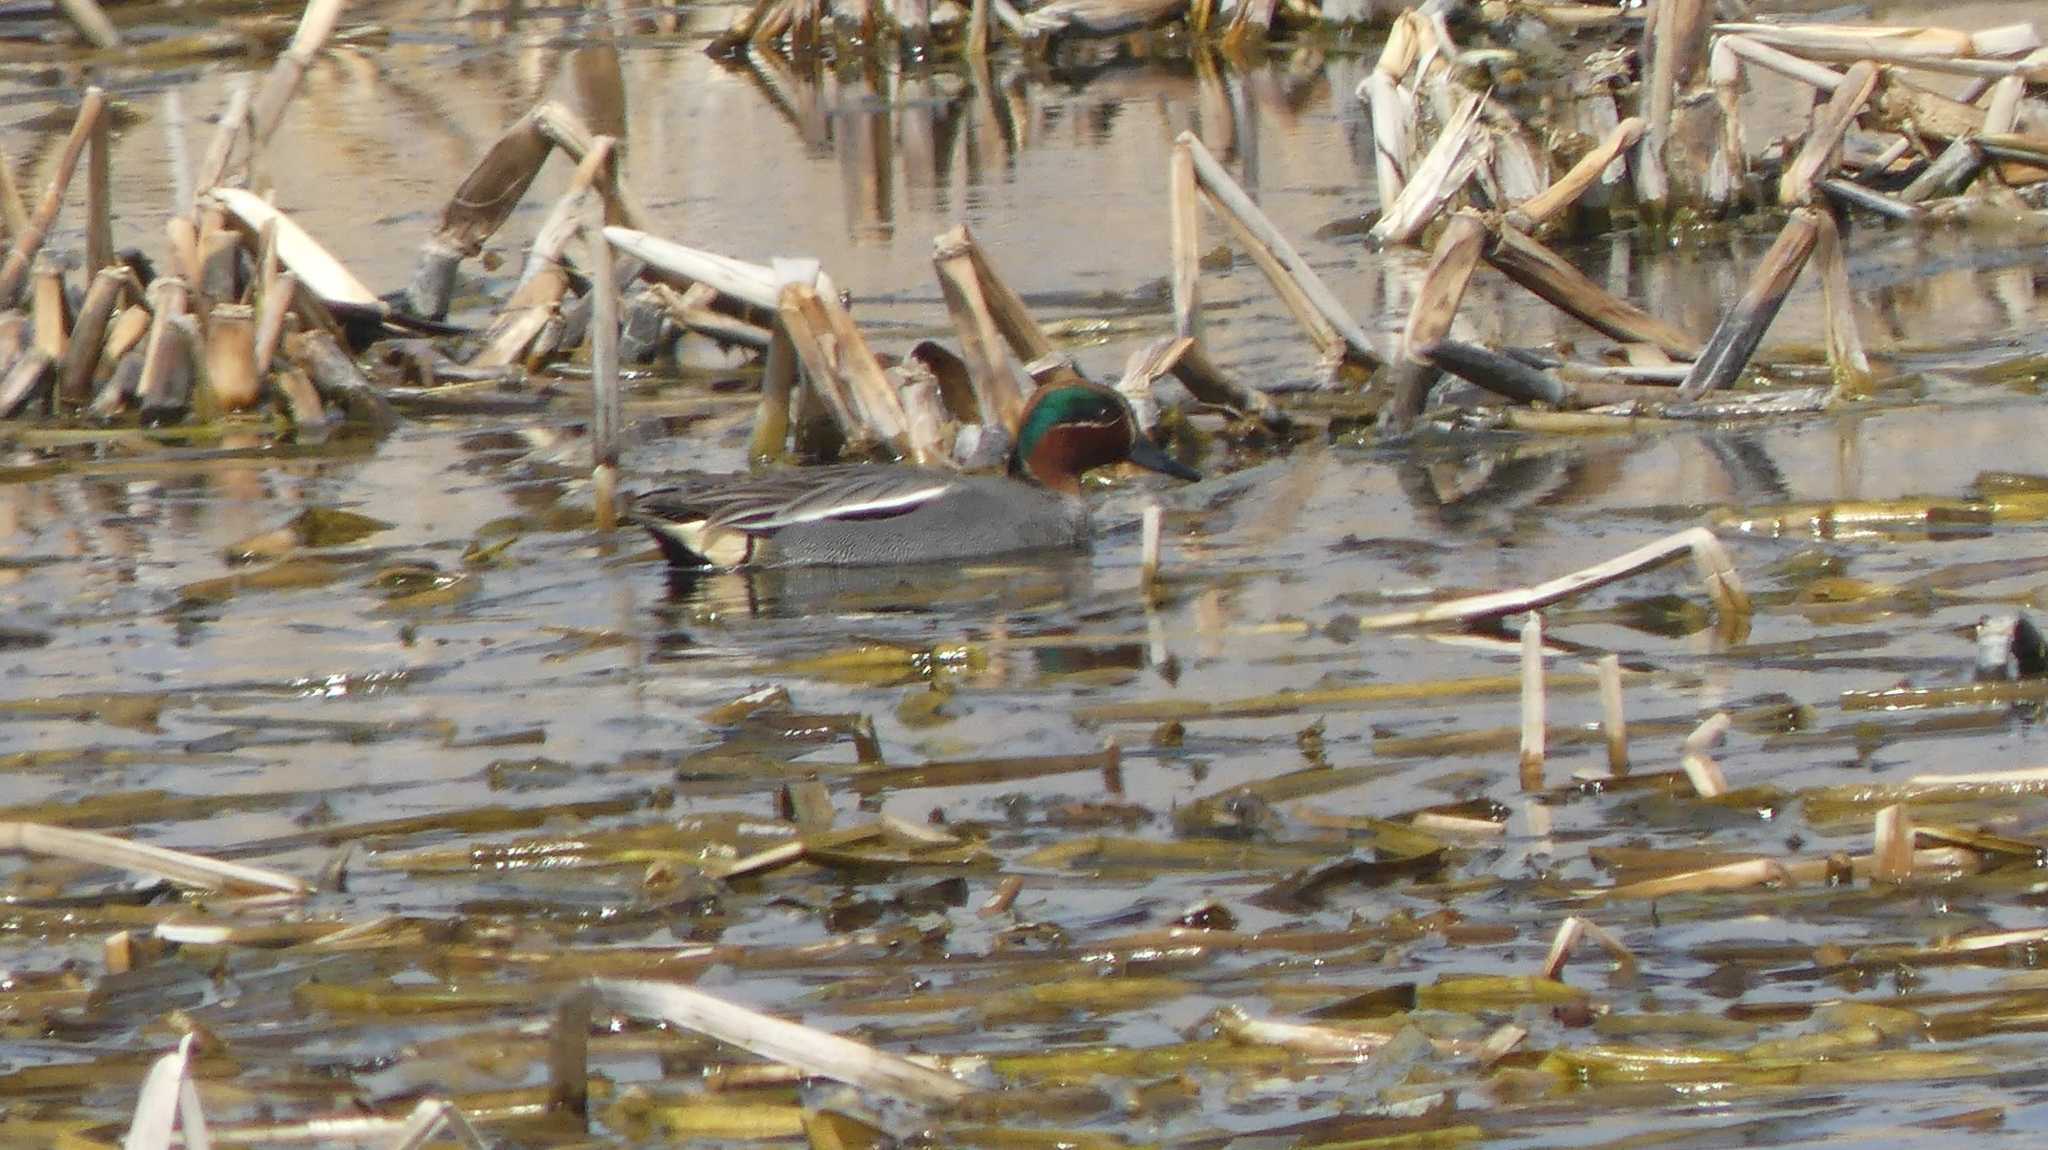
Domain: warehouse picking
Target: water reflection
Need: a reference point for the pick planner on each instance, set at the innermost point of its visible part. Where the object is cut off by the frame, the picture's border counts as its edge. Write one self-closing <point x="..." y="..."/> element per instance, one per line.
<point x="800" y="592"/>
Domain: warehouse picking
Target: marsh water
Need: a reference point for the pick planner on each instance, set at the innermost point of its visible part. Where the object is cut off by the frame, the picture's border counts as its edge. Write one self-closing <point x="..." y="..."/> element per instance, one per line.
<point x="523" y="731"/>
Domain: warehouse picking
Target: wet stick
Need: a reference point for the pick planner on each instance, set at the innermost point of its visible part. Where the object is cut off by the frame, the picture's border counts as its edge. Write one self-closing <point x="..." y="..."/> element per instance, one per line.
<point x="1613" y="722"/>
<point x="1547" y="274"/>
<point x="608" y="408"/>
<point x="1857" y="196"/>
<point x="476" y="210"/>
<point x="1818" y="155"/>
<point x="1297" y="284"/>
<point x="1846" y="360"/>
<point x="29" y="240"/>
<point x="1533" y="704"/>
<point x="1499" y="603"/>
<point x="1729" y="349"/>
<point x="334" y="372"/>
<point x="1503" y="375"/>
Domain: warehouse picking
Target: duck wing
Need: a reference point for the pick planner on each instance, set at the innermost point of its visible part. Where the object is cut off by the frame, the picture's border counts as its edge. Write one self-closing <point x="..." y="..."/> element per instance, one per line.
<point x="760" y="504"/>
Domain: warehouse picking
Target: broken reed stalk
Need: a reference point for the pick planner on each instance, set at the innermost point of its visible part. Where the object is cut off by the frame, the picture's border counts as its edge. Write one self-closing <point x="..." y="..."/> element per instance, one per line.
<point x="806" y="1048"/>
<point x="230" y="374"/>
<point x="92" y="23"/>
<point x="234" y="121"/>
<point x="273" y="308"/>
<point x="1846" y="359"/>
<point x="1148" y="551"/>
<point x="74" y="383"/>
<point x="1533" y="703"/>
<point x="543" y="281"/>
<point x="778" y="387"/>
<point x="1698" y="542"/>
<point x="166" y="1101"/>
<point x="1818" y="155"/>
<point x="1570" y="932"/>
<point x="1735" y="340"/>
<point x="1392" y="107"/>
<point x="751" y="284"/>
<point x="1457" y="253"/>
<point x="1566" y="190"/>
<point x="569" y="1056"/>
<point x="1459" y="151"/>
<point x="1184" y="222"/>
<point x="1700" y="768"/>
<point x="29" y="240"/>
<point x="157" y="390"/>
<point x="1544" y="272"/>
<point x="180" y="867"/>
<point x="319" y="271"/>
<point x="47" y="308"/>
<point x="99" y="195"/>
<point x="477" y="209"/>
<point x="607" y="404"/>
<point x="281" y="83"/>
<point x="873" y="395"/>
<point x="1314" y="305"/>
<point x="1892" y="855"/>
<point x="803" y="317"/>
<point x="996" y="392"/>
<point x="1674" y="49"/>
<point x="1613" y="720"/>
<point x="13" y="212"/>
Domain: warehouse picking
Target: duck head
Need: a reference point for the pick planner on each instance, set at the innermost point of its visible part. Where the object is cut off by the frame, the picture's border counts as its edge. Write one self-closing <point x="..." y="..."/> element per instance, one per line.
<point x="1070" y="428"/>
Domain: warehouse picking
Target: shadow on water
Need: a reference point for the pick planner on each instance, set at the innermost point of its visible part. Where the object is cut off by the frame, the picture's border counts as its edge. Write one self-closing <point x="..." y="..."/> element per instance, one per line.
<point x="547" y="752"/>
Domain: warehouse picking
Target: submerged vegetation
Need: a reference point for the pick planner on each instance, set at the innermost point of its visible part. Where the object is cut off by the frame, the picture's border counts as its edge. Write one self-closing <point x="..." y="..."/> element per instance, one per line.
<point x="1640" y="751"/>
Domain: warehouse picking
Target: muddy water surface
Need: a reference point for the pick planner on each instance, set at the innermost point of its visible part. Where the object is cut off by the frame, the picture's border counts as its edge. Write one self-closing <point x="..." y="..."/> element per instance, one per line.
<point x="516" y="722"/>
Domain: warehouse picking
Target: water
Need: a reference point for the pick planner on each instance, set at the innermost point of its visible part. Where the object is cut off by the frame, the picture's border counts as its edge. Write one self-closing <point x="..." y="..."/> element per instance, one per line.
<point x="276" y="724"/>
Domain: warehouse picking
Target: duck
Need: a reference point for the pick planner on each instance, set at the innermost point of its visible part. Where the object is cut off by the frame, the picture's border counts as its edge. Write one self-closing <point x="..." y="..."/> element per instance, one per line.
<point x="862" y="514"/>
